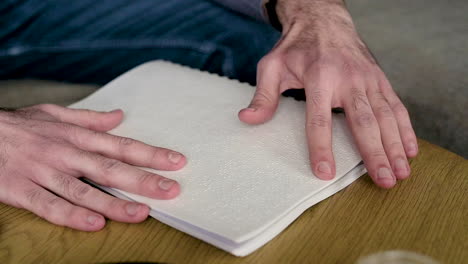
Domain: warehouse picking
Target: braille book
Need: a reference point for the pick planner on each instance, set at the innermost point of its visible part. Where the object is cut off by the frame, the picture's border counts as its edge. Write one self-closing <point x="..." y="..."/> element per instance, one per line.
<point x="242" y="184"/>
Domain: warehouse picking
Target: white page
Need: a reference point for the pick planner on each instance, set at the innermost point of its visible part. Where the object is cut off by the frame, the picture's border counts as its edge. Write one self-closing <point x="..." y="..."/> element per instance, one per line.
<point x="240" y="180"/>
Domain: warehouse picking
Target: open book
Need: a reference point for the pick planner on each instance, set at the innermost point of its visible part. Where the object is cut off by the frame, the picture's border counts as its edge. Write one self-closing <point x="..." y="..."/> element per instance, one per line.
<point x="242" y="184"/>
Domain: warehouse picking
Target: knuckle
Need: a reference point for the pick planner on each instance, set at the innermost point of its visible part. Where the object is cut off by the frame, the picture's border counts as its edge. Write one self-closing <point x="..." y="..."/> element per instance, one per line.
<point x="358" y="99"/>
<point x="69" y="129"/>
<point x="125" y="142"/>
<point x="379" y="96"/>
<point x="57" y="154"/>
<point x="72" y="132"/>
<point x="80" y="191"/>
<point x="145" y="180"/>
<point x="318" y="121"/>
<point x="396" y="146"/>
<point x="317" y="97"/>
<point x="109" y="166"/>
<point x="376" y="154"/>
<point x="262" y="96"/>
<point x="33" y="195"/>
<point x="365" y="120"/>
<point x="399" y="109"/>
<point x="384" y="111"/>
<point x="53" y="202"/>
<point x="62" y="182"/>
<point x="125" y="147"/>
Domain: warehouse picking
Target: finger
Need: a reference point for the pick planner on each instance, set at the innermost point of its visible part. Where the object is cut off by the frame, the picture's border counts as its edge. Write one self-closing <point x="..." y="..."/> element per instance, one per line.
<point x="58" y="211"/>
<point x="366" y="131"/>
<point x="400" y="112"/>
<point x="98" y="121"/>
<point x="319" y="130"/>
<point x="116" y="174"/>
<point x="266" y="97"/>
<point x="391" y="138"/>
<point x="82" y="194"/>
<point x="125" y="149"/>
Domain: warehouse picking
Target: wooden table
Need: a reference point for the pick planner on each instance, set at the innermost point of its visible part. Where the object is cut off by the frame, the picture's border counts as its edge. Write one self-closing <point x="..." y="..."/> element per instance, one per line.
<point x="427" y="213"/>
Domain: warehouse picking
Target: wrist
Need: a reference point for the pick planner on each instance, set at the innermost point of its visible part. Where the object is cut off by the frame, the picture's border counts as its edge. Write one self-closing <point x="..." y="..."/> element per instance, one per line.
<point x="317" y="22"/>
<point x="317" y="15"/>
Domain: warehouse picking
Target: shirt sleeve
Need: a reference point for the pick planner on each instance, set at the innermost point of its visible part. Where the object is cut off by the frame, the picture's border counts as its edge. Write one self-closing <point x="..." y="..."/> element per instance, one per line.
<point x="251" y="8"/>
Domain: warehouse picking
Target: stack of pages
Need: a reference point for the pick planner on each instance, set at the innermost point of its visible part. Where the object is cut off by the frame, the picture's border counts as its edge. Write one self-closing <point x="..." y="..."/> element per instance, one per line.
<point x="242" y="184"/>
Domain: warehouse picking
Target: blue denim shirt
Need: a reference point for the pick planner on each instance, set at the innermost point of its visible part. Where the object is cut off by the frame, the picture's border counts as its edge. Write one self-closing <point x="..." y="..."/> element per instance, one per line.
<point x="95" y="41"/>
<point x="252" y="8"/>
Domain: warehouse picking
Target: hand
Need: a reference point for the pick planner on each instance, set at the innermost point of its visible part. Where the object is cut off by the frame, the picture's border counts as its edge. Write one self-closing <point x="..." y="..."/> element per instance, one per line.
<point x="321" y="52"/>
<point x="44" y="149"/>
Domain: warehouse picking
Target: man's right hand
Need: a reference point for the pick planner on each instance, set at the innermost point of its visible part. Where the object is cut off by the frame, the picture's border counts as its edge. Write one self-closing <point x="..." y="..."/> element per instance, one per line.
<point x="44" y="149"/>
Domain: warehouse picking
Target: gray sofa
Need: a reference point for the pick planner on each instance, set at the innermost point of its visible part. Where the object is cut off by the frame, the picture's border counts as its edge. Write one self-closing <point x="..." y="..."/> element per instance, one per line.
<point x="421" y="45"/>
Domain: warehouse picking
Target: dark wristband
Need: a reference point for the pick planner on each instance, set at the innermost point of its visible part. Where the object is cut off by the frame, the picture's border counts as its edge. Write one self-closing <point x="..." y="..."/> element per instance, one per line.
<point x="270" y="7"/>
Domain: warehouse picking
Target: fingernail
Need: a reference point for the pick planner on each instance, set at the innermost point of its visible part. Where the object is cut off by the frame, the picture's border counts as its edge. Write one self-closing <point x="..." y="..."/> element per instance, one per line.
<point x="400" y="165"/>
<point x="384" y="174"/>
<point x="250" y="109"/>
<point x="132" y="208"/>
<point x="92" y="219"/>
<point x="412" y="148"/>
<point x="174" y="157"/>
<point x="166" y="184"/>
<point x="324" y="167"/>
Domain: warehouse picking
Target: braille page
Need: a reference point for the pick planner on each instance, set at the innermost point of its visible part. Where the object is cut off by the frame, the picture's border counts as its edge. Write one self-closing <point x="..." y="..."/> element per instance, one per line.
<point x="242" y="184"/>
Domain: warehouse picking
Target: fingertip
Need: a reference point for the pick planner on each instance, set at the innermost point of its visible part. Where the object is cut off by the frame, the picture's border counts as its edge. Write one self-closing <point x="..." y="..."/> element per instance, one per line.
<point x="117" y="115"/>
<point x="402" y="175"/>
<point x="94" y="222"/>
<point x="172" y="193"/>
<point x="386" y="184"/>
<point x="109" y="120"/>
<point x="254" y="116"/>
<point x="145" y="210"/>
<point x="401" y="169"/>
<point x="168" y="189"/>
<point x="116" y="111"/>
<point x="384" y="178"/>
<point x="411" y="149"/>
<point x="136" y="212"/>
<point x="324" y="170"/>
<point x="176" y="160"/>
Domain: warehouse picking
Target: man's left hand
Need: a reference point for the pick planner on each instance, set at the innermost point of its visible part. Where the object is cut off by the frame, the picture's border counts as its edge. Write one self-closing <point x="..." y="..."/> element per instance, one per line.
<point x="321" y="52"/>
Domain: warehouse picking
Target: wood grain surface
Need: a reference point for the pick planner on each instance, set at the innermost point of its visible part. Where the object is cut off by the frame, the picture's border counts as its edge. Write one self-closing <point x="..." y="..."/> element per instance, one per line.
<point x="427" y="213"/>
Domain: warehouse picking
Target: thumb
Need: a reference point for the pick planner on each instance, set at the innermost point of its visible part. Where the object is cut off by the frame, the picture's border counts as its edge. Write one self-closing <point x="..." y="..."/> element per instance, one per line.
<point x="94" y="120"/>
<point x="266" y="97"/>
